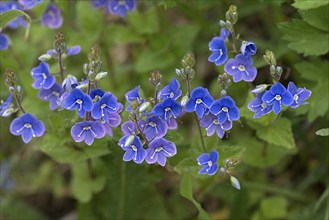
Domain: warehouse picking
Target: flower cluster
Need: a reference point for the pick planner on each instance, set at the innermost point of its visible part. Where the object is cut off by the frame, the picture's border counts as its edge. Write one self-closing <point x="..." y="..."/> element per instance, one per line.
<point x="276" y="97"/>
<point x="147" y="129"/>
<point x="116" y="7"/>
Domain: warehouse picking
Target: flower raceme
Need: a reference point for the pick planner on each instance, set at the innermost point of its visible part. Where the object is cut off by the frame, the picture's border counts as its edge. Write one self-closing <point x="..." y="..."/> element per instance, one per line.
<point x="28" y="126"/>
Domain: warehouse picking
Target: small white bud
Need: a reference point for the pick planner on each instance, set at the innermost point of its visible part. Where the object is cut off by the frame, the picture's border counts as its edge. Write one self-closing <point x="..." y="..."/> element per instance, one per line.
<point x="235" y="182"/>
<point x="101" y="75"/>
<point x="45" y="57"/>
<point x="129" y="140"/>
<point x="184" y="101"/>
<point x="144" y="106"/>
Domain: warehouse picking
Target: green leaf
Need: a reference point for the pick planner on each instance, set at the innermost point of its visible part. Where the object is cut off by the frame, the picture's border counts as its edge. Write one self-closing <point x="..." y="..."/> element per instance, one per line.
<point x="316" y="71"/>
<point x="124" y="35"/>
<point x="144" y="22"/>
<point x="7" y="16"/>
<point x="86" y="182"/>
<point x="280" y="210"/>
<point x="305" y="38"/>
<point x="262" y="155"/>
<point x="187" y="192"/>
<point x="318" y="17"/>
<point x="307" y="4"/>
<point x="323" y="132"/>
<point x="279" y="133"/>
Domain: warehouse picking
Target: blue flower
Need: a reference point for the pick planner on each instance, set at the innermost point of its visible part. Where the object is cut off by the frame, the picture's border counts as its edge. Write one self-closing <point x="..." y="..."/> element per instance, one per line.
<point x="278" y="96"/>
<point x="108" y="103"/>
<point x="87" y="131"/>
<point x="52" y="17"/>
<point x="258" y="106"/>
<point x="134" y="151"/>
<point x="52" y="95"/>
<point x="208" y="163"/>
<point x="225" y="109"/>
<point x="299" y="95"/>
<point x="42" y="77"/>
<point x="133" y="95"/>
<point x="80" y="100"/>
<point x="170" y="91"/>
<point x="28" y="126"/>
<point x="167" y="108"/>
<point x="154" y="127"/>
<point x="121" y="7"/>
<point x="248" y="48"/>
<point x="4" y="42"/>
<point x="219" y="51"/>
<point x="199" y="102"/>
<point x="241" y="68"/>
<point x="158" y="151"/>
<point x="96" y="94"/>
<point x="69" y="83"/>
<point x="224" y="33"/>
<point x="98" y="3"/>
<point x="113" y="120"/>
<point x="6" y="6"/>
<point x="5" y="106"/>
<point x="129" y="128"/>
<point x="212" y="125"/>
<point x="29" y="4"/>
<point x="69" y="51"/>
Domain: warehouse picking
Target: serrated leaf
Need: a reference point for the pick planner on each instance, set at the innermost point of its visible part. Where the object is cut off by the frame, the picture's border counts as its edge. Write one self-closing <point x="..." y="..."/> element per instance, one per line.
<point x="316" y="71"/>
<point x="187" y="192"/>
<point x="305" y="38"/>
<point x="323" y="132"/>
<point x="318" y="17"/>
<point x="307" y="4"/>
<point x="279" y="133"/>
<point x="84" y="183"/>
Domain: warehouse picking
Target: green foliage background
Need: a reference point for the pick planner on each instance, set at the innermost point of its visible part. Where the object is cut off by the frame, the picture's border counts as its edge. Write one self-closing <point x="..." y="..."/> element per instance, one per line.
<point x="282" y="165"/>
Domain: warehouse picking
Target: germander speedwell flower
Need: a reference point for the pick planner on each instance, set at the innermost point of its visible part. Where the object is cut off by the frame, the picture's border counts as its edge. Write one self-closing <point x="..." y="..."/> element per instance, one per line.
<point x="121" y="7"/>
<point x="167" y="108"/>
<point x="200" y="101"/>
<point x="278" y="96"/>
<point x="42" y="77"/>
<point x="212" y="125"/>
<point x="258" y="106"/>
<point x="154" y="127"/>
<point x="241" y="68"/>
<point x="219" y="51"/>
<point x="87" y="131"/>
<point x="209" y="163"/>
<point x="170" y="91"/>
<point x="28" y="126"/>
<point x="134" y="151"/>
<point x="158" y="151"/>
<point x="225" y="109"/>
<point x="107" y="104"/>
<point x="52" y="95"/>
<point x="52" y="17"/>
<point x="80" y="100"/>
<point x="298" y="94"/>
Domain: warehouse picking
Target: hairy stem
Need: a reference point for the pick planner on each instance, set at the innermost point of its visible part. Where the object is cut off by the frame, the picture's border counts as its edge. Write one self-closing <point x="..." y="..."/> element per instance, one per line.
<point x="188" y="83"/>
<point x="18" y="101"/>
<point x="235" y="43"/>
<point x="200" y="133"/>
<point x="61" y="67"/>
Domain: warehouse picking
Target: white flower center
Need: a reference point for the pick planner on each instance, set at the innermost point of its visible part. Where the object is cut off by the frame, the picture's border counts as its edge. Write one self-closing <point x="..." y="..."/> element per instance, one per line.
<point x="225" y="109"/>
<point x="167" y="109"/>
<point x="79" y="101"/>
<point x="152" y="124"/>
<point x="277" y="97"/>
<point x="198" y="101"/>
<point x="241" y="67"/>
<point x="172" y="95"/>
<point x="27" y="125"/>
<point x="216" y="122"/>
<point x="158" y="149"/>
<point x="296" y="97"/>
<point x="103" y="106"/>
<point x="134" y="148"/>
<point x="210" y="163"/>
<point x="86" y="128"/>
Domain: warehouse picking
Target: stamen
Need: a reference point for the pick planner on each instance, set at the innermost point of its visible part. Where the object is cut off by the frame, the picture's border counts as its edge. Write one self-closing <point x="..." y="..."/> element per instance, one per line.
<point x="172" y="94"/>
<point x="241" y="68"/>
<point x="225" y="109"/>
<point x="198" y="101"/>
<point x="277" y="97"/>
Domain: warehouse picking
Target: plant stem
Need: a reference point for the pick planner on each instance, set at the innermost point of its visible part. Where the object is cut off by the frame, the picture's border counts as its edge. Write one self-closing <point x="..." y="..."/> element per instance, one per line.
<point x="200" y="133"/>
<point x="88" y="92"/>
<point x="188" y="82"/>
<point x="61" y="67"/>
<point x="18" y="101"/>
<point x="122" y="191"/>
<point x="235" y="44"/>
<point x="90" y="169"/>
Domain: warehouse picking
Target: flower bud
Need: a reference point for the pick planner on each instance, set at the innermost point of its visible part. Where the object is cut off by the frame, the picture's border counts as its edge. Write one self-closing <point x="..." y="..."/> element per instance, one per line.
<point x="184" y="100"/>
<point x="223" y="92"/>
<point x="129" y="140"/>
<point x="232" y="14"/>
<point x="8" y="112"/>
<point x="188" y="60"/>
<point x="45" y="57"/>
<point x="100" y="76"/>
<point x="144" y="106"/>
<point x="235" y="182"/>
<point x="155" y="78"/>
<point x="222" y="169"/>
<point x="259" y="88"/>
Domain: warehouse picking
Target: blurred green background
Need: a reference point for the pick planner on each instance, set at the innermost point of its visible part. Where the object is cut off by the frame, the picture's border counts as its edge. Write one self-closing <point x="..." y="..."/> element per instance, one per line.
<point x="282" y="167"/>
